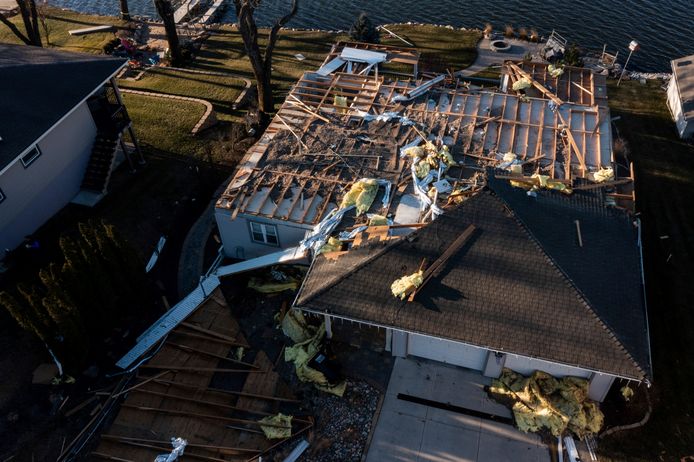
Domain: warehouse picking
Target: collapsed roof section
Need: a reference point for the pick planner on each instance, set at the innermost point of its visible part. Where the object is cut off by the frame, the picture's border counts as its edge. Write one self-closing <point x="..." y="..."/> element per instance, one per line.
<point x="337" y="128"/>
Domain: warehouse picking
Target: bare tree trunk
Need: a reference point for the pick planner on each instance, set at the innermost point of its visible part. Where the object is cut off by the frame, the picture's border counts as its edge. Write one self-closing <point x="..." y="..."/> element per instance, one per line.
<point x="166" y="13"/>
<point x="27" y="9"/>
<point x="124" y="10"/>
<point x="15" y="31"/>
<point x="261" y="64"/>
<point x="35" y="21"/>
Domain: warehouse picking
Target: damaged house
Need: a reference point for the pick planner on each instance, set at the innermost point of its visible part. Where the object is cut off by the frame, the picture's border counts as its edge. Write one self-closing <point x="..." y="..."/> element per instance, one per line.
<point x="507" y="206"/>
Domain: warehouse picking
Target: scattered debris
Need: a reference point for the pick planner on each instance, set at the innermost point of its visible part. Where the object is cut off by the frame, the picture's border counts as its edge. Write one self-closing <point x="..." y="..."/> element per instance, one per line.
<point x="179" y="446"/>
<point x="544" y="402"/>
<point x="277" y="426"/>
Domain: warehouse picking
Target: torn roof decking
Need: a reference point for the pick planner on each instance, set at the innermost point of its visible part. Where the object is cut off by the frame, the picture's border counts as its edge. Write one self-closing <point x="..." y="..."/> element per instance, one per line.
<point x="479" y="126"/>
<point x="578" y="85"/>
<point x="193" y="402"/>
<point x="279" y="178"/>
<point x="482" y="123"/>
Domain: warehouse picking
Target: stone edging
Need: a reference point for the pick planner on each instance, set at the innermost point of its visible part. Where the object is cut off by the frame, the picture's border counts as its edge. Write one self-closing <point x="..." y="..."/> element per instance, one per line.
<point x="247" y="81"/>
<point x="207" y="119"/>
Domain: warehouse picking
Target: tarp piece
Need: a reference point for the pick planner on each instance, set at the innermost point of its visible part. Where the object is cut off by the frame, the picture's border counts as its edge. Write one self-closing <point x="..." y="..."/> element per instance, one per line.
<point x="544" y="402"/>
<point x="281" y="426"/>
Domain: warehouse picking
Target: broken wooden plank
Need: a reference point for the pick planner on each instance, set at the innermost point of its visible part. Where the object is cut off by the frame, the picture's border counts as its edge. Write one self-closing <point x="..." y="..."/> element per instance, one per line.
<point x="448" y="253"/>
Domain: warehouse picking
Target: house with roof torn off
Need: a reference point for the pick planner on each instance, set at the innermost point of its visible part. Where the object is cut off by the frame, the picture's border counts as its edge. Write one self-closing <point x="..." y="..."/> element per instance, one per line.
<point x="481" y="227"/>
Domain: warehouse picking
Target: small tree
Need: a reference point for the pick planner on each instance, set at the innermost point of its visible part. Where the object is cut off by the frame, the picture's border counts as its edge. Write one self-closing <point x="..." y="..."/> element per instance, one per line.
<point x="363" y="30"/>
<point x="260" y="62"/>
<point x="165" y="11"/>
<point x="572" y="56"/>
<point x="74" y="302"/>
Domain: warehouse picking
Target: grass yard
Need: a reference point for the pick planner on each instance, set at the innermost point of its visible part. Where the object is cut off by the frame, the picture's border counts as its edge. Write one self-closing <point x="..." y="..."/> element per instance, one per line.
<point x="166" y="124"/>
<point x="441" y="48"/>
<point x="664" y="169"/>
<point x="218" y="90"/>
<point x="59" y="23"/>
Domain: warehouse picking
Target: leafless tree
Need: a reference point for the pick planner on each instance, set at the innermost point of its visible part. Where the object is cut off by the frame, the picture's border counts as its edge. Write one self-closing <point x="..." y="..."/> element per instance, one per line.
<point x="124" y="10"/>
<point x="27" y="9"/>
<point x="260" y="62"/>
<point x="43" y="20"/>
<point x="165" y="11"/>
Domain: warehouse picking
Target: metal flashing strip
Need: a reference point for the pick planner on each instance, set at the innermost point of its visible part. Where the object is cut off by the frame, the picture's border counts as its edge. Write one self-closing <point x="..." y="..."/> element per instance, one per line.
<point x="289" y="255"/>
<point x="169" y="321"/>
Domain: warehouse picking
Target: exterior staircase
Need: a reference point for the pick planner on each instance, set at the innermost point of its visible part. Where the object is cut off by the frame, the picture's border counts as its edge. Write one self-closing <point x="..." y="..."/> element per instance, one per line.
<point x="101" y="162"/>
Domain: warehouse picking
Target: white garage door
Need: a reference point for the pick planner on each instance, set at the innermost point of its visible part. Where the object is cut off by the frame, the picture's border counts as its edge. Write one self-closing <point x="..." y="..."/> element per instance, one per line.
<point x="446" y="351"/>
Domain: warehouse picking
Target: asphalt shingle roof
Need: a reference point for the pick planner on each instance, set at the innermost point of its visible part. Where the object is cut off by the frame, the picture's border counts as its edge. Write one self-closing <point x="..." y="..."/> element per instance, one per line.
<point x="521" y="284"/>
<point x="38" y="86"/>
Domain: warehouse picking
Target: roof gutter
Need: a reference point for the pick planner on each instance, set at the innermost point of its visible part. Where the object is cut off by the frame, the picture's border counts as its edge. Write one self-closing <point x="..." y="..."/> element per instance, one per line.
<point x="28" y="148"/>
<point x="383" y="326"/>
<point x="645" y="300"/>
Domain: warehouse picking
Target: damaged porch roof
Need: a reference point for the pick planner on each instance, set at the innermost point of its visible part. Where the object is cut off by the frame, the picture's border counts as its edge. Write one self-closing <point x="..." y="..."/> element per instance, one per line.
<point x="521" y="284"/>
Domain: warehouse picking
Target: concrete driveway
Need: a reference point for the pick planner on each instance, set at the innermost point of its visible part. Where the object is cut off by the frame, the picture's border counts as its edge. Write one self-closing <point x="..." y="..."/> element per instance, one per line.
<point x="411" y="431"/>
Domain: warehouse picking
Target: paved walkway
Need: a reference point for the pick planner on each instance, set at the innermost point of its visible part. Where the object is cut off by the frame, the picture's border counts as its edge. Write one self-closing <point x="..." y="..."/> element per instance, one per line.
<point x="486" y="57"/>
<point x="407" y="431"/>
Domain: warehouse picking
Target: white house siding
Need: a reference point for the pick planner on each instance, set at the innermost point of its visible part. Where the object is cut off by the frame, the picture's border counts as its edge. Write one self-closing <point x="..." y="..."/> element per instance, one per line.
<point x="446" y="351"/>
<point x="487" y="362"/>
<point x="37" y="192"/>
<point x="685" y="128"/>
<point x="236" y="235"/>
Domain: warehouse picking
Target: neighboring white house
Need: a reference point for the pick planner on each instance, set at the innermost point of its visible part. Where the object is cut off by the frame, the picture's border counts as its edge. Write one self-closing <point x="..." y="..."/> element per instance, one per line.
<point x="61" y="122"/>
<point x="680" y="95"/>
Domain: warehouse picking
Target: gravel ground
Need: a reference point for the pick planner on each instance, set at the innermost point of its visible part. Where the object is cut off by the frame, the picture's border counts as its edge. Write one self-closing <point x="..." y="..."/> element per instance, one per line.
<point x="342" y="424"/>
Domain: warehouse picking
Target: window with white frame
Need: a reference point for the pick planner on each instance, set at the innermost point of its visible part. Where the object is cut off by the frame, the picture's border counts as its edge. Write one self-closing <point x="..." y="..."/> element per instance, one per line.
<point x="263" y="233"/>
<point x="31" y="156"/>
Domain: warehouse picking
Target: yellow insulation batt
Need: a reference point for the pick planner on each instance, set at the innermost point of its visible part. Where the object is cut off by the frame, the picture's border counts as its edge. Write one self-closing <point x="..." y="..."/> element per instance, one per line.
<point x="522" y="84"/>
<point x="544" y="402"/>
<point x="280" y="426"/>
<point x="361" y="194"/>
<point x="406" y="284"/>
<point x="333" y="245"/>
<point x="301" y="353"/>
<point x="554" y="71"/>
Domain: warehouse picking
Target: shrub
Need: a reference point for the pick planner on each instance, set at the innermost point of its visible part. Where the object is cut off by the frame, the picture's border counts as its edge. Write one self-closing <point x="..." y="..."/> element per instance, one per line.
<point x="523" y="33"/>
<point x="509" y="32"/>
<point x="363" y="30"/>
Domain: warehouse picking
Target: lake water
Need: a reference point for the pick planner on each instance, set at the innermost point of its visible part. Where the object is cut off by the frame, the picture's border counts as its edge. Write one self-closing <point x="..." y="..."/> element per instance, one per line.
<point x="664" y="28"/>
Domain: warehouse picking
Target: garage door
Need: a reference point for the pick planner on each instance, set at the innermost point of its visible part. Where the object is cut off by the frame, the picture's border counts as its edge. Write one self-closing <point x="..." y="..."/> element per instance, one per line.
<point x="446" y="351"/>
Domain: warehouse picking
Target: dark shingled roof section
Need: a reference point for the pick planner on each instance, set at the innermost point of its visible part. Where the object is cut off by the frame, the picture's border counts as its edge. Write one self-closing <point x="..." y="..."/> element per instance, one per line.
<point x="500" y="291"/>
<point x="606" y="270"/>
<point x="38" y="87"/>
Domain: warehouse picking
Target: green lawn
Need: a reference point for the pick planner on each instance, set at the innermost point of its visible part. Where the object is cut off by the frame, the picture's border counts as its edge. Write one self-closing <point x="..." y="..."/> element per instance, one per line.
<point x="166" y="124"/>
<point x="441" y="48"/>
<point x="60" y="22"/>
<point x="220" y="91"/>
<point x="664" y="169"/>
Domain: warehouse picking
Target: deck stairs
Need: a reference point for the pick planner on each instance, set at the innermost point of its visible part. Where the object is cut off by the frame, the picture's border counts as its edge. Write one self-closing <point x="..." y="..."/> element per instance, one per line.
<point x="101" y="162"/>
